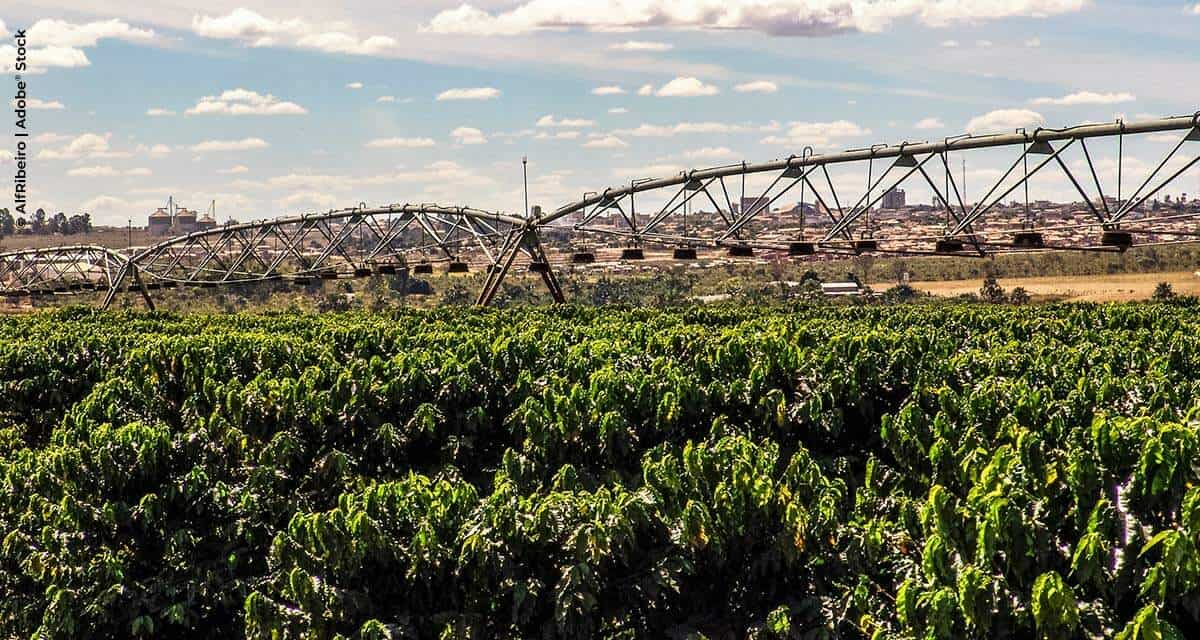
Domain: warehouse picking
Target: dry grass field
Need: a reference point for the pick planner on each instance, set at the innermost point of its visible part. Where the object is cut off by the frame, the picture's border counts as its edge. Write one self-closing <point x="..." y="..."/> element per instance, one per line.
<point x="1099" y="288"/>
<point x="111" y="237"/>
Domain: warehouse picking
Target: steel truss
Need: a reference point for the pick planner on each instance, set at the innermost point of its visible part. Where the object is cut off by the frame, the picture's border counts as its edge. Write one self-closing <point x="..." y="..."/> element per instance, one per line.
<point x="355" y="242"/>
<point x="846" y="226"/>
<point x="361" y="241"/>
<point x="59" y="270"/>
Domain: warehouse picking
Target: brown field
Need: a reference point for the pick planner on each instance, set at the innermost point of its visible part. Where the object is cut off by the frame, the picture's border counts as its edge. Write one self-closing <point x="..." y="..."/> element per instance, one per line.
<point x="111" y="237"/>
<point x="1100" y="288"/>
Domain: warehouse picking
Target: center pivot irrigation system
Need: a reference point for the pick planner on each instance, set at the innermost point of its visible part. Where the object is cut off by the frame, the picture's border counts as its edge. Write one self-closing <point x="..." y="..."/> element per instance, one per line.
<point x="362" y="241"/>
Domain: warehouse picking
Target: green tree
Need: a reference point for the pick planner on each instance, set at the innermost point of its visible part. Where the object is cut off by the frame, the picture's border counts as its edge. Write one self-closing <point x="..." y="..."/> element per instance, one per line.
<point x="1163" y="292"/>
<point x="991" y="291"/>
<point x="58" y="223"/>
<point x="7" y="224"/>
<point x="74" y="225"/>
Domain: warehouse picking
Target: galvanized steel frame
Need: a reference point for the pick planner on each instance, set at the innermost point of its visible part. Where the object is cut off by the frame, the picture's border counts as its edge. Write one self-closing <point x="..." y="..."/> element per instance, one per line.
<point x="360" y="240"/>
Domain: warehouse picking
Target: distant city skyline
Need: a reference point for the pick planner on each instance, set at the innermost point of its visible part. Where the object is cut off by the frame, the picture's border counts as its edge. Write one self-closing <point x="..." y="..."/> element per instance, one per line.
<point x="271" y="109"/>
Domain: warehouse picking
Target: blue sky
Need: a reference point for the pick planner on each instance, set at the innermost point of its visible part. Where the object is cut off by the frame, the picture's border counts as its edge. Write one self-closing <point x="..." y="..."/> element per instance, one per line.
<point x="271" y="109"/>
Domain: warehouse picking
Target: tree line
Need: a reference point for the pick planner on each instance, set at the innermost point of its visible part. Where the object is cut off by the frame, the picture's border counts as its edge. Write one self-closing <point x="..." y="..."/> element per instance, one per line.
<point x="41" y="223"/>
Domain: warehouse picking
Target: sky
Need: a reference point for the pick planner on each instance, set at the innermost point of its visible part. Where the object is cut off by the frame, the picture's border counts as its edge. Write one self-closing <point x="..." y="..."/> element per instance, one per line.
<point x="270" y="108"/>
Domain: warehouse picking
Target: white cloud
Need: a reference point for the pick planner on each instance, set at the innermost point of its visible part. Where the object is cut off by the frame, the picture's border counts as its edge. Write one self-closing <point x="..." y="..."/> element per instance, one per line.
<point x="641" y="45"/>
<point x="336" y="42"/>
<point x="468" y="136"/>
<point x="646" y="90"/>
<point x="607" y="142"/>
<point x="648" y="171"/>
<point x="684" y="128"/>
<point x="154" y="151"/>
<point x="298" y="181"/>
<point x="87" y="145"/>
<point x="618" y="110"/>
<point x="354" y="85"/>
<point x="3" y="30"/>
<point x="1004" y="120"/>
<point x="246" y="25"/>
<point x="709" y="153"/>
<point x="513" y="135"/>
<point x="60" y="33"/>
<point x="235" y="169"/>
<point x="984" y="43"/>
<point x="385" y="99"/>
<point x="775" y="17"/>
<point x="314" y="199"/>
<point x="1195" y="10"/>
<point x="1163" y="138"/>
<point x="243" y="102"/>
<point x="608" y="91"/>
<point x="950" y="44"/>
<point x="569" y="123"/>
<point x="1086" y="97"/>
<point x="105" y="204"/>
<point x="105" y="171"/>
<point x="817" y="134"/>
<point x="442" y="170"/>
<point x="60" y="44"/>
<point x="401" y="143"/>
<point x="42" y="59"/>
<point x="758" y="86"/>
<point x="1033" y="42"/>
<point x="929" y="123"/>
<point x="157" y="111"/>
<point x="686" y="88"/>
<point x="477" y="93"/>
<point x="92" y="172"/>
<point x="557" y="135"/>
<point x="441" y="180"/>
<point x="6" y="156"/>
<point x="255" y="30"/>
<point x="41" y="105"/>
<point x="245" y="144"/>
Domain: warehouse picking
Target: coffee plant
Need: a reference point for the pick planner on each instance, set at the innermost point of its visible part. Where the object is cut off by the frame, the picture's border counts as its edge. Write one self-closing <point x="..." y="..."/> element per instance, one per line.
<point x="922" y="471"/>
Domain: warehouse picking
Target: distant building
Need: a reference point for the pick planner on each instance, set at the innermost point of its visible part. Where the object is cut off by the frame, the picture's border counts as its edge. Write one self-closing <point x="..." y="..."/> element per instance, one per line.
<point x="809" y="209"/>
<point x="206" y="222"/>
<point x="159" y="223"/>
<point x="754" y="205"/>
<point x="162" y="223"/>
<point x="893" y="199"/>
<point x="185" y="220"/>
<point x="847" y="288"/>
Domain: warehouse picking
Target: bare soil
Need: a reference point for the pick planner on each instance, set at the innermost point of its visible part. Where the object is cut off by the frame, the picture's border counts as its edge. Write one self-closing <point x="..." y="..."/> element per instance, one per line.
<point x="1120" y="287"/>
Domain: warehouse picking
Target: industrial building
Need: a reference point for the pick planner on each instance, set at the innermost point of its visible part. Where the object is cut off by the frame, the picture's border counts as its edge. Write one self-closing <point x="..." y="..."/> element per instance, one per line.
<point x="893" y="199"/>
<point x="174" y="220"/>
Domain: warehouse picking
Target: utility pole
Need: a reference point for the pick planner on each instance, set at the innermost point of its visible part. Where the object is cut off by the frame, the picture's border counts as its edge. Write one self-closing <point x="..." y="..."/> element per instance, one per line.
<point x="525" y="179"/>
<point x="965" y="197"/>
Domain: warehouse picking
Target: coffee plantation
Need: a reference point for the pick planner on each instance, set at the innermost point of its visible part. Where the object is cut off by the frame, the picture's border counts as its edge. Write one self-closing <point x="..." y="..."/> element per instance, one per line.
<point x="952" y="471"/>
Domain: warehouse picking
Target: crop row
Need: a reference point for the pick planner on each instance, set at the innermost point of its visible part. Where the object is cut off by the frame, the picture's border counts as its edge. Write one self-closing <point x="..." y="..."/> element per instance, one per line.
<point x="903" y="472"/>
